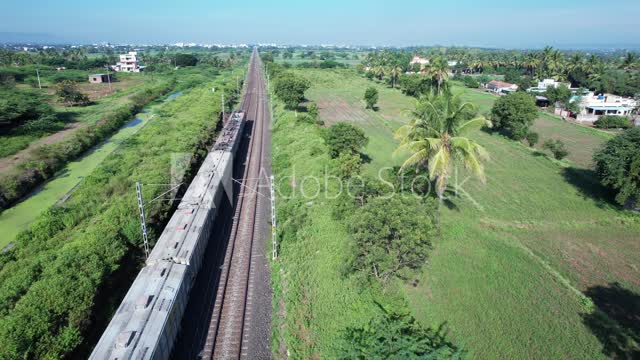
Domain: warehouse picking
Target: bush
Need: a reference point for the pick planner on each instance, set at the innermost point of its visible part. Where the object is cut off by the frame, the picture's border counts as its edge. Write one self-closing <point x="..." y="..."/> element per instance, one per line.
<point x="68" y="92"/>
<point x="392" y="236"/>
<point x="290" y="89"/>
<point x="612" y="122"/>
<point x="618" y="166"/>
<point x="344" y="138"/>
<point x="514" y="114"/>
<point x="371" y="97"/>
<point x="18" y="107"/>
<point x="557" y="148"/>
<point x="396" y="335"/>
<point x="471" y="82"/>
<point x="532" y="138"/>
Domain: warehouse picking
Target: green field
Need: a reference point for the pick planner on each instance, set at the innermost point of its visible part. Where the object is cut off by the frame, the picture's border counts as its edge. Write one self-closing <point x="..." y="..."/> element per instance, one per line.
<point x="509" y="273"/>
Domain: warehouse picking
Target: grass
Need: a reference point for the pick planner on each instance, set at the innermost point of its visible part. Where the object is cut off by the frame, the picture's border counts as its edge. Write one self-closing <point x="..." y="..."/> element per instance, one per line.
<point x="339" y="95"/>
<point x="509" y="274"/>
<point x="314" y="301"/>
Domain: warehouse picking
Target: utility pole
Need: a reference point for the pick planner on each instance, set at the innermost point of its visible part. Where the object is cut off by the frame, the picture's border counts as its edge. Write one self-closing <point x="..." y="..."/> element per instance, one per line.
<point x="38" y="75"/>
<point x="108" y="78"/>
<point x="274" y="233"/>
<point x="143" y="221"/>
<point x="223" y="107"/>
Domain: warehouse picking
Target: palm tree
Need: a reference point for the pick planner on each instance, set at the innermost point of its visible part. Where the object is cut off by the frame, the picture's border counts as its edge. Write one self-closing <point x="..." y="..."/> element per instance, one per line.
<point x="394" y="73"/>
<point x="439" y="71"/>
<point x="630" y="61"/>
<point x="435" y="140"/>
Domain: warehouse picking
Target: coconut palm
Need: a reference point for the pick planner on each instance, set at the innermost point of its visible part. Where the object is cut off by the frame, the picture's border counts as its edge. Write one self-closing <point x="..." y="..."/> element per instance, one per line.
<point x="439" y="71"/>
<point x="394" y="73"/>
<point x="435" y="140"/>
<point x="630" y="61"/>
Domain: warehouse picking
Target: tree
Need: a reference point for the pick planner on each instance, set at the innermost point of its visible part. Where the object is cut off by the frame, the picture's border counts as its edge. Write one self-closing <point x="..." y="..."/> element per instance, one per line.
<point x="392" y="236"/>
<point x="68" y="92"/>
<point x="560" y="94"/>
<point x="557" y="148"/>
<point x="290" y="89"/>
<point x="439" y="71"/>
<point x="612" y="122"/>
<point x="532" y="138"/>
<point x="348" y="165"/>
<point x="18" y="107"/>
<point x="371" y="97"/>
<point x="185" y="60"/>
<point x="344" y="138"/>
<point x="394" y="73"/>
<point x="312" y="110"/>
<point x="396" y="335"/>
<point x="435" y="140"/>
<point x="618" y="166"/>
<point x="514" y="114"/>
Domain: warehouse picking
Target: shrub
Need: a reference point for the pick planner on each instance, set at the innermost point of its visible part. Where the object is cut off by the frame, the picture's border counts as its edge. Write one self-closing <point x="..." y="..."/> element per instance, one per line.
<point x="396" y="335"/>
<point x="618" y="166"/>
<point x="392" y="236"/>
<point x="344" y="138"/>
<point x="470" y="82"/>
<point x="371" y="97"/>
<point x="290" y="89"/>
<point x="532" y="138"/>
<point x="68" y="92"/>
<point x="557" y="148"/>
<point x="514" y="114"/>
<point x="612" y="122"/>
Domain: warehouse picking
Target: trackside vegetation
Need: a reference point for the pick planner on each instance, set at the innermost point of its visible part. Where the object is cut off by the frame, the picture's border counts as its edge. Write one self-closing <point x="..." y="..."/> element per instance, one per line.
<point x="334" y="294"/>
<point x="48" y="159"/>
<point x="66" y="274"/>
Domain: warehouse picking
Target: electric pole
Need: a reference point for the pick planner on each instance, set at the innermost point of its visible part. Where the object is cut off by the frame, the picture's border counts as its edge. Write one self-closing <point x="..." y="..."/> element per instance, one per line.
<point x="38" y="75"/>
<point x="108" y="78"/>
<point x="143" y="221"/>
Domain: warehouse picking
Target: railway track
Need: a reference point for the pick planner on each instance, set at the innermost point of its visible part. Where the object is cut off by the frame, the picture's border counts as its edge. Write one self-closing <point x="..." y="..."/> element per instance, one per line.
<point x="227" y="333"/>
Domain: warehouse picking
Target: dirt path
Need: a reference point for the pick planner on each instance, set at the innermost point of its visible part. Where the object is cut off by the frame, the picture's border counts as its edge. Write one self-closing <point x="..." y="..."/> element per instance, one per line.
<point x="10" y="161"/>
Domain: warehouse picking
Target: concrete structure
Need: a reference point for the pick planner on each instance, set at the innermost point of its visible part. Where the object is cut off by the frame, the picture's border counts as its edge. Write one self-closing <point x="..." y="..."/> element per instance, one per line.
<point x="100" y="78"/>
<point x="419" y="60"/>
<point x="500" y="87"/>
<point x="593" y="106"/>
<point x="128" y="63"/>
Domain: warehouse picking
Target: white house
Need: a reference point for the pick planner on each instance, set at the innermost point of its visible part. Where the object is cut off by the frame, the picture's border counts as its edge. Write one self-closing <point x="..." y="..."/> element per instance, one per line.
<point x="500" y="87"/>
<point x="593" y="106"/>
<point x="545" y="84"/>
<point x="128" y="63"/>
<point x="419" y="60"/>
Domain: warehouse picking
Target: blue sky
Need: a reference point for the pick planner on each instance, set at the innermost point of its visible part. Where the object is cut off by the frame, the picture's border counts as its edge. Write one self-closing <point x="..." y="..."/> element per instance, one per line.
<point x="492" y="23"/>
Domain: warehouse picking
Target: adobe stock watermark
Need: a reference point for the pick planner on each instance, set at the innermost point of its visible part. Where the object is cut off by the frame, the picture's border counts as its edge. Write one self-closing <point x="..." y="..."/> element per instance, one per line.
<point x="388" y="183"/>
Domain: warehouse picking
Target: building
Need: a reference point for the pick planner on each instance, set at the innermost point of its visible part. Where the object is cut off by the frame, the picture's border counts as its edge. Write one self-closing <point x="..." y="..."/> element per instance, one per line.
<point x="500" y="87"/>
<point x="419" y="60"/>
<point x="128" y="63"/>
<point x="100" y="78"/>
<point x="593" y="106"/>
<point x="545" y="84"/>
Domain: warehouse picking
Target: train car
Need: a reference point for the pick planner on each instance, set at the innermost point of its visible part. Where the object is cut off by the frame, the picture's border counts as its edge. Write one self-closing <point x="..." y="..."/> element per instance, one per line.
<point x="148" y="320"/>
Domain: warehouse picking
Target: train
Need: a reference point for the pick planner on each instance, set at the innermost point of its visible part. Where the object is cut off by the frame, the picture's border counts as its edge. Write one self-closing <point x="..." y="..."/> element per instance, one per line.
<point x="147" y="322"/>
